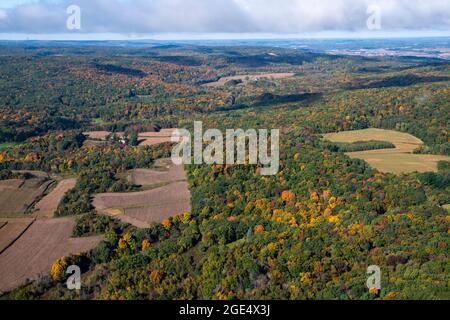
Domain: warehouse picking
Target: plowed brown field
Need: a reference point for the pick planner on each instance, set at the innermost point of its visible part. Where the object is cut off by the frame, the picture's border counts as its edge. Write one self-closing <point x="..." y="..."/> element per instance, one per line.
<point x="154" y="205"/>
<point x="16" y="196"/>
<point x="47" y="206"/>
<point x="35" y="251"/>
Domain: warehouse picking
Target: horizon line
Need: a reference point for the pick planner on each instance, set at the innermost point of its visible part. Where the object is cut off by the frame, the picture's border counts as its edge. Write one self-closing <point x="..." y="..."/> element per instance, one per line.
<point x="335" y="35"/>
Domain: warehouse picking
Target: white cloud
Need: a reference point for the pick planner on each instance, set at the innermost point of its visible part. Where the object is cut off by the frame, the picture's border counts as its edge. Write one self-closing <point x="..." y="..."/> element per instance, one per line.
<point x="3" y="14"/>
<point x="226" y="16"/>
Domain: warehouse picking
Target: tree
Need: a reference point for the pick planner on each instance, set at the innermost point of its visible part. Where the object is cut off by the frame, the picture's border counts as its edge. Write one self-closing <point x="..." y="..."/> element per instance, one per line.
<point x="58" y="269"/>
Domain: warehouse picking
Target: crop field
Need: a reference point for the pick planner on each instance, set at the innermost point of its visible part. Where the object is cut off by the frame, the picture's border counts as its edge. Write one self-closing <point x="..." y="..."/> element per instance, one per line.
<point x="11" y="230"/>
<point x="149" y="177"/>
<point x="48" y="205"/>
<point x="245" y="78"/>
<point x="98" y="138"/>
<point x="17" y="196"/>
<point x="29" y="246"/>
<point x="155" y="138"/>
<point x="97" y="135"/>
<point x="34" y="252"/>
<point x="149" y="206"/>
<point x="398" y="160"/>
<point x="168" y="196"/>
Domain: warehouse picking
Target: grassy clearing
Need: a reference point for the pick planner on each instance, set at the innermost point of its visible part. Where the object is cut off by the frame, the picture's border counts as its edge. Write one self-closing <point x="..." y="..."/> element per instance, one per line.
<point x="245" y="78"/>
<point x="98" y="121"/>
<point x="7" y="145"/>
<point x="398" y="160"/>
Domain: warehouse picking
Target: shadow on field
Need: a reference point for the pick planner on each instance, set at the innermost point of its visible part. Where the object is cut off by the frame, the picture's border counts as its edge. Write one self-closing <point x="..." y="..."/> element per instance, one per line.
<point x="268" y="99"/>
<point x="397" y="81"/>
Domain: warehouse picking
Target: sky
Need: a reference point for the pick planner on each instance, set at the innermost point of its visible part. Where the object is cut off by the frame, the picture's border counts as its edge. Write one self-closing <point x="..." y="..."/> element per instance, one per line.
<point x="209" y="19"/>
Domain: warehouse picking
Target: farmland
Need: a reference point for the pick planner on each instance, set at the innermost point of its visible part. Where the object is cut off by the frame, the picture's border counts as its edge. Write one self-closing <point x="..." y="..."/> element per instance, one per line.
<point x="167" y="195"/>
<point x="246" y="78"/>
<point x="398" y="160"/>
<point x="28" y="246"/>
<point x="47" y="206"/>
<point x="163" y="172"/>
<point x="97" y="135"/>
<point x="18" y="196"/>
<point x="11" y="230"/>
<point x="155" y="138"/>
<point x="33" y="253"/>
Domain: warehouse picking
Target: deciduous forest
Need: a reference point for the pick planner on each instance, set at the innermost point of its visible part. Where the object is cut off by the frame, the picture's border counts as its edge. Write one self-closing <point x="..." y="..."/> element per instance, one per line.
<point x="308" y="232"/>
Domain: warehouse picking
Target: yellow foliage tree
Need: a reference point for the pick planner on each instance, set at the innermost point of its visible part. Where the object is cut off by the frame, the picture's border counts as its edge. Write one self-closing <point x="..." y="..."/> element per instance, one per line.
<point x="155" y="277"/>
<point x="145" y="244"/>
<point x="314" y="196"/>
<point x="332" y="202"/>
<point x="374" y="291"/>
<point x="166" y="224"/>
<point x="287" y="195"/>
<point x="305" y="278"/>
<point x="185" y="218"/>
<point x="259" y="229"/>
<point x="58" y="268"/>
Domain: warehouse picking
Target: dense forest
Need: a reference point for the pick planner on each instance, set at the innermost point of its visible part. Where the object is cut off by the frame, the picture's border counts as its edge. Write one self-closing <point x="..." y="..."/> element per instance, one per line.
<point x="309" y="232"/>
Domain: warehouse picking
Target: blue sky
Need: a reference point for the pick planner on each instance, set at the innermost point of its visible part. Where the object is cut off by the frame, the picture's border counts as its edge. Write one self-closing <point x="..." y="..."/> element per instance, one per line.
<point x="122" y="19"/>
<point x="14" y="3"/>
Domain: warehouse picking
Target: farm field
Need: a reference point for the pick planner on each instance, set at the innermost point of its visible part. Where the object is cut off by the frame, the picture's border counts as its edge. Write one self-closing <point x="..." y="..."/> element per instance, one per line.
<point x="98" y="138"/>
<point x="155" y="138"/>
<point x="169" y="196"/>
<point x="398" y="160"/>
<point x="245" y="78"/>
<point x="17" y="196"/>
<point x="149" y="177"/>
<point x="48" y="205"/>
<point x="97" y="135"/>
<point x="149" y="206"/>
<point x="11" y="230"/>
<point x="34" y="252"/>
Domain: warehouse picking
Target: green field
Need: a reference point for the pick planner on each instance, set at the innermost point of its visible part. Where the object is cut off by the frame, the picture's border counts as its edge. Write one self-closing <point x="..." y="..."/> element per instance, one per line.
<point x="7" y="145"/>
<point x="398" y="160"/>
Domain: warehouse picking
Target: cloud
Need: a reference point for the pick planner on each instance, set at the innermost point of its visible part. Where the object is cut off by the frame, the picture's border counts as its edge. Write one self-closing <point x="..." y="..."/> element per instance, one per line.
<point x="224" y="16"/>
<point x="3" y="15"/>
